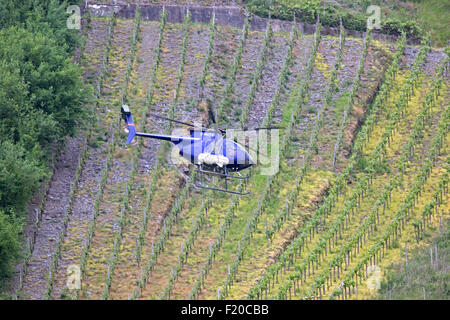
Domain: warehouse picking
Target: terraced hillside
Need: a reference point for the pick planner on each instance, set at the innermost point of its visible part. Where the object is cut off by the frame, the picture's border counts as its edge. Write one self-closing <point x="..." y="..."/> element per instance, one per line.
<point x="363" y="165"/>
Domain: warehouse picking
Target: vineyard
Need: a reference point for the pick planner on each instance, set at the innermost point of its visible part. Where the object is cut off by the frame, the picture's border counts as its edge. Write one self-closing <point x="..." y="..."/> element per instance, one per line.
<point x="363" y="176"/>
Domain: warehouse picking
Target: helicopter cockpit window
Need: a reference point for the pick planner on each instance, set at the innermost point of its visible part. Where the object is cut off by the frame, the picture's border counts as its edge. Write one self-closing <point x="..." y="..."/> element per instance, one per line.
<point x="230" y="149"/>
<point x="214" y="146"/>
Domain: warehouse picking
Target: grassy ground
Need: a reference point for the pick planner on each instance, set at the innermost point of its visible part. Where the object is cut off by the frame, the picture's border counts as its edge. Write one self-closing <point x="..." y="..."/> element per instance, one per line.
<point x="432" y="15"/>
<point x="425" y="276"/>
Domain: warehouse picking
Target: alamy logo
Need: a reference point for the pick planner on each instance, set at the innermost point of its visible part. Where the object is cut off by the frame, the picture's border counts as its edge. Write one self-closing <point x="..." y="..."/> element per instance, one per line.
<point x="263" y="147"/>
<point x="74" y="20"/>
<point x="374" y="20"/>
<point x="258" y="146"/>
<point x="73" y="277"/>
<point x="374" y="277"/>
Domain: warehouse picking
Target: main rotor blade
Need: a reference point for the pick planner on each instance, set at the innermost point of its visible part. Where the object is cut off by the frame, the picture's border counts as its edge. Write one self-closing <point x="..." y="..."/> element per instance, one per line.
<point x="260" y="128"/>
<point x="213" y="118"/>
<point x="177" y="121"/>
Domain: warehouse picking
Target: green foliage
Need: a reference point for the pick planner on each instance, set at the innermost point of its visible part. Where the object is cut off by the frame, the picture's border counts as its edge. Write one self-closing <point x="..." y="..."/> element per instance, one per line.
<point x="433" y="16"/>
<point x="308" y="11"/>
<point x="399" y="222"/>
<point x="13" y="12"/>
<point x="420" y="274"/>
<point x="54" y="84"/>
<point x="19" y="176"/>
<point x="9" y="244"/>
<point x="42" y="97"/>
<point x="396" y="27"/>
<point x="46" y="16"/>
<point x="41" y="93"/>
<point x="363" y="164"/>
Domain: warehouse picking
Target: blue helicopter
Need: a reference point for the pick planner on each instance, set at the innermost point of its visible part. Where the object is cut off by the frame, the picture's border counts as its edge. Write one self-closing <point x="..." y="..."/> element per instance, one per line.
<point x="204" y="148"/>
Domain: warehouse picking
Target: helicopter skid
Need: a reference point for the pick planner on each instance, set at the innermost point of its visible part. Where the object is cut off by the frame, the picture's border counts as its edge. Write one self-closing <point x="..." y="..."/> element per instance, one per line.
<point x="222" y="174"/>
<point x="222" y="190"/>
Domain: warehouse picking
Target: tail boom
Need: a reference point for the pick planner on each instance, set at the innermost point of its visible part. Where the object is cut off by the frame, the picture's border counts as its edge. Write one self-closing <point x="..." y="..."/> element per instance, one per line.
<point x="126" y="115"/>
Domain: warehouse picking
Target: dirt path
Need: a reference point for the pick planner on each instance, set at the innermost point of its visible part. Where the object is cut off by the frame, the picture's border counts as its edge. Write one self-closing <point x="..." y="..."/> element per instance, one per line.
<point x="244" y="77"/>
<point x="35" y="282"/>
<point x="300" y="54"/>
<point x="268" y="83"/>
<point x="84" y="200"/>
<point x="226" y="43"/>
<point x="333" y="113"/>
<point x="129" y="270"/>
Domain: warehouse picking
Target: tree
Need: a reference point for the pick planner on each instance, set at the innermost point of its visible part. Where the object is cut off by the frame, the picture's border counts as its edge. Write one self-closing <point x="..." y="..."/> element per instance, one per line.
<point x="54" y="82"/>
<point x="42" y="99"/>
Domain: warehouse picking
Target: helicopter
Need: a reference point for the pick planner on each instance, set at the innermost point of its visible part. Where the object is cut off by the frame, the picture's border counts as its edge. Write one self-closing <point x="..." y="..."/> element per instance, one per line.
<point x="205" y="148"/>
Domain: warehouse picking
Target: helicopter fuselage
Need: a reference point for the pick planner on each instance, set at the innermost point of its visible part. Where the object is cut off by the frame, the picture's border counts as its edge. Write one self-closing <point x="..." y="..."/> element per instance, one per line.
<point x="208" y="149"/>
<point x="205" y="148"/>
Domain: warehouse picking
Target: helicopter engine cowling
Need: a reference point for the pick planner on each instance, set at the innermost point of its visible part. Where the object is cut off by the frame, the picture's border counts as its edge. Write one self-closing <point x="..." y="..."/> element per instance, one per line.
<point x="211" y="159"/>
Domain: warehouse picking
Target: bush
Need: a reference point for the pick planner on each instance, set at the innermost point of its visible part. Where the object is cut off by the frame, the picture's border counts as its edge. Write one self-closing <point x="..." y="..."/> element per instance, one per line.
<point x="9" y="244"/>
<point x="20" y="175"/>
<point x="396" y="27"/>
<point x="308" y="10"/>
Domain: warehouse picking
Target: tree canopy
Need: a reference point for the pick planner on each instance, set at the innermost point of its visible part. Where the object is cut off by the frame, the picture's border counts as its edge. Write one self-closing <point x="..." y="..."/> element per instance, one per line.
<point x="42" y="97"/>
